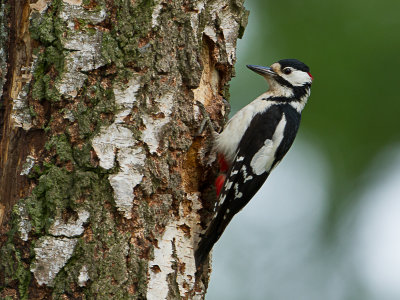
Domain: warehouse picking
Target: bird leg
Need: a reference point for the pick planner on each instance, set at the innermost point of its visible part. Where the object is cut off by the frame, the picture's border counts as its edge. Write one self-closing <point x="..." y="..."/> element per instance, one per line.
<point x="227" y="109"/>
<point x="223" y="164"/>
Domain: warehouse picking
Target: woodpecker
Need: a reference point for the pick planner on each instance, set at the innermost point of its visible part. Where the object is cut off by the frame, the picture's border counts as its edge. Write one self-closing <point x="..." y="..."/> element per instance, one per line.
<point x="254" y="141"/>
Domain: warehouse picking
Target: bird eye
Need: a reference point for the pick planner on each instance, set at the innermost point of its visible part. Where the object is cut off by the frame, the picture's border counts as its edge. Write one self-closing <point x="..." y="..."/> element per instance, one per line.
<point x="287" y="71"/>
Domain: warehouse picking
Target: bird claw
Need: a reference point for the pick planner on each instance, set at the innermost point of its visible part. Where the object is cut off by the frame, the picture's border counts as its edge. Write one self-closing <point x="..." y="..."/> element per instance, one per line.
<point x="227" y="108"/>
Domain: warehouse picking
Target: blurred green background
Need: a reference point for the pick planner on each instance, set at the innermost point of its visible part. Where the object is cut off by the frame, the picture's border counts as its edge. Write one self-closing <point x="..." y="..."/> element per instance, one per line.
<point x="346" y="156"/>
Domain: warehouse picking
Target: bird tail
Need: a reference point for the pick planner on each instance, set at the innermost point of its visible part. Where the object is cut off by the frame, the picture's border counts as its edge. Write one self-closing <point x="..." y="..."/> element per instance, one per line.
<point x="212" y="235"/>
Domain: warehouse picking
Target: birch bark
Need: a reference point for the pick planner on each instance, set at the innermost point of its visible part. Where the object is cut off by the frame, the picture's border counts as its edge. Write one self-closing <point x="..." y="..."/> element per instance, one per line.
<point x="101" y="174"/>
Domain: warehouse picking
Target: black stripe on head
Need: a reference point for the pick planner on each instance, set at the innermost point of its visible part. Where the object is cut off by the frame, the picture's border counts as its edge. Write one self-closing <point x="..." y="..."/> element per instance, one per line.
<point x="294" y="63"/>
<point x="283" y="81"/>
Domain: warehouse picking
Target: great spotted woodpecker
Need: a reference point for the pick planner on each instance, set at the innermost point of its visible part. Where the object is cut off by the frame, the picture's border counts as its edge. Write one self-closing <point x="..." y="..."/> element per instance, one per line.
<point x="254" y="141"/>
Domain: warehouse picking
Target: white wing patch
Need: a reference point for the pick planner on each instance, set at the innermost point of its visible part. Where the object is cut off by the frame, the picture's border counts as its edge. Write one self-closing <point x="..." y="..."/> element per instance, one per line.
<point x="264" y="158"/>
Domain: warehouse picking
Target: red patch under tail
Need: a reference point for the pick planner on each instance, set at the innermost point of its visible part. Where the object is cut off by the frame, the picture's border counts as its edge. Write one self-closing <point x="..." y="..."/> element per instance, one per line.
<point x="223" y="164"/>
<point x="219" y="183"/>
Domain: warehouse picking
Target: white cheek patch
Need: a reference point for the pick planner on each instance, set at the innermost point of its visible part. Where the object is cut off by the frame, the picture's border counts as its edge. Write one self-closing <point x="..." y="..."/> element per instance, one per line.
<point x="298" y="78"/>
<point x="264" y="158"/>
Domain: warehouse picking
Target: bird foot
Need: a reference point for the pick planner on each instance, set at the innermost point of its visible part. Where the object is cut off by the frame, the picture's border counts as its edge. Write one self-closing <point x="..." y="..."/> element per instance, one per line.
<point x="227" y="106"/>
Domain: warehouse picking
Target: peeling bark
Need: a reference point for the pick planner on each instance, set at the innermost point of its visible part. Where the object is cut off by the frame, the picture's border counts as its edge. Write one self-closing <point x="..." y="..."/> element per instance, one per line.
<point x="105" y="187"/>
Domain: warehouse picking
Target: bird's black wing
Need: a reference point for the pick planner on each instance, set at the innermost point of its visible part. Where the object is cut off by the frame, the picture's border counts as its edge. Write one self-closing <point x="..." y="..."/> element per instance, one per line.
<point x="242" y="182"/>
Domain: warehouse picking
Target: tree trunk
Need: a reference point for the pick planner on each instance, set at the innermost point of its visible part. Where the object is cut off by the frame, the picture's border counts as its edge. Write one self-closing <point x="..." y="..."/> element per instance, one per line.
<point x="103" y="182"/>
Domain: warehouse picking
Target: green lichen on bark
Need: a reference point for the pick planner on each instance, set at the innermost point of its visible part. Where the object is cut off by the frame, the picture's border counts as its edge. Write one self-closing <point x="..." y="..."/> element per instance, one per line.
<point x="60" y="191"/>
<point x="121" y="45"/>
<point x="47" y="28"/>
<point x="62" y="147"/>
<point x="95" y="110"/>
<point x="49" y="199"/>
<point x="14" y="268"/>
<point x="102" y="249"/>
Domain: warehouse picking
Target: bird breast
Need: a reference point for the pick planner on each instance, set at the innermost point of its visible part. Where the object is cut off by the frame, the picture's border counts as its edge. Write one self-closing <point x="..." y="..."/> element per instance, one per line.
<point x="228" y="140"/>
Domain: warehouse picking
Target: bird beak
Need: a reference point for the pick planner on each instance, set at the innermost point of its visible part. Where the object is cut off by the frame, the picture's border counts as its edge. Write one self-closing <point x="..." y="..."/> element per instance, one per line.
<point x="262" y="70"/>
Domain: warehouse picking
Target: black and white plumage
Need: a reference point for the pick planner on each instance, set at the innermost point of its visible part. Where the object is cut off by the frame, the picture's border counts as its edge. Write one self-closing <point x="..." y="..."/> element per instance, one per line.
<point x="255" y="140"/>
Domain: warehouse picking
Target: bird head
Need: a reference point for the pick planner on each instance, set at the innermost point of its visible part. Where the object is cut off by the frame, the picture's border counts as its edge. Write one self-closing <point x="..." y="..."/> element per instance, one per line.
<point x="285" y="77"/>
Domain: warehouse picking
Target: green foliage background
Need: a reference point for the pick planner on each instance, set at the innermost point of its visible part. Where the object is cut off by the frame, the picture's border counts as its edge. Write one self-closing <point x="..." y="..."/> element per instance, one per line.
<point x="352" y="48"/>
<point x="350" y="134"/>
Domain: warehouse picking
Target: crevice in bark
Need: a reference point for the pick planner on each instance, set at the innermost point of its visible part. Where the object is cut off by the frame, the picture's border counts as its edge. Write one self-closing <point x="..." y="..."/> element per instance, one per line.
<point x="12" y="154"/>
